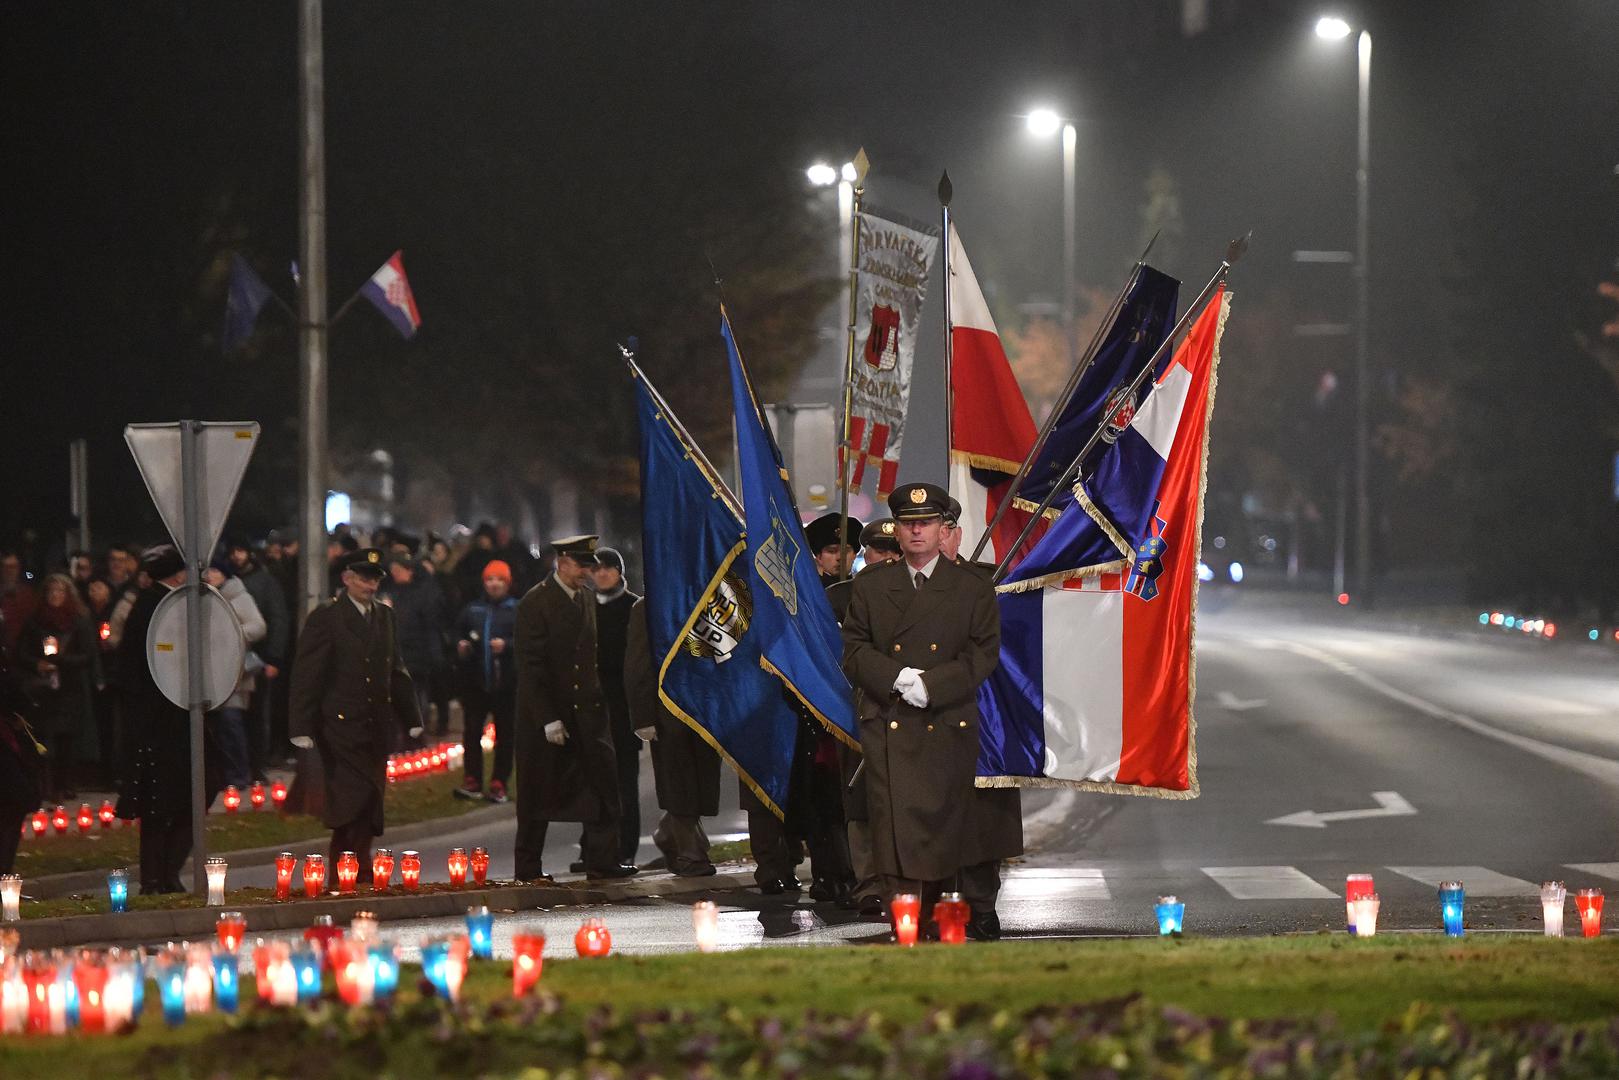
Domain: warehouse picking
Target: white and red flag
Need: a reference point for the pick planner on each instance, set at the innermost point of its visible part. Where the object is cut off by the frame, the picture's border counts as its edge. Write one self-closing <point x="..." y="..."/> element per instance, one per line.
<point x="389" y="290"/>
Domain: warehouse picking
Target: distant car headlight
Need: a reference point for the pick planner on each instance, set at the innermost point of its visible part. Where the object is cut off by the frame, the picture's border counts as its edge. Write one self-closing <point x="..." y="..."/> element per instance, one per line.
<point x="1236" y="573"/>
<point x="1205" y="572"/>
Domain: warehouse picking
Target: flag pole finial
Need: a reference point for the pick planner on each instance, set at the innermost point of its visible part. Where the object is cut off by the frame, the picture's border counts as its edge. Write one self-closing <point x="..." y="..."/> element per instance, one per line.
<point x="862" y="166"/>
<point x="1238" y="247"/>
<point x="946" y="190"/>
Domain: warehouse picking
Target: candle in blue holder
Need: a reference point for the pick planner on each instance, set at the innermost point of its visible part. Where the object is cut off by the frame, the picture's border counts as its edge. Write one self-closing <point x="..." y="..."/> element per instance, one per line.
<point x="1451" y="899"/>
<point x="227" y="980"/>
<point x="435" y="963"/>
<point x="481" y="932"/>
<point x="70" y="993"/>
<point x="384" y="972"/>
<point x="1170" y="912"/>
<point x="137" y="983"/>
<point x="117" y="891"/>
<point x="306" y="971"/>
<point x="171" y="985"/>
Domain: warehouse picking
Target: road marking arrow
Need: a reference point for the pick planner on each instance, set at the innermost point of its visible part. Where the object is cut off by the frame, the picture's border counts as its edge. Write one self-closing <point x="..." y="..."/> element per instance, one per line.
<point x="1232" y="703"/>
<point x="1389" y="804"/>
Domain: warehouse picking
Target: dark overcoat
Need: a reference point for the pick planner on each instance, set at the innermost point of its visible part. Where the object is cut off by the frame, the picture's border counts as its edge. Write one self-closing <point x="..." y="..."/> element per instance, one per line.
<point x="557" y="680"/>
<point x="685" y="768"/>
<point x="352" y="694"/>
<point x="157" y="731"/>
<point x="920" y="762"/>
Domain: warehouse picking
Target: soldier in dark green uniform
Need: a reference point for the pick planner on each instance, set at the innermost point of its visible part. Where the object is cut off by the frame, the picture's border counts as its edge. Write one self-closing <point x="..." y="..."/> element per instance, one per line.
<point x="833" y="557"/>
<point x="352" y="699"/>
<point x="566" y="766"/>
<point x="920" y="637"/>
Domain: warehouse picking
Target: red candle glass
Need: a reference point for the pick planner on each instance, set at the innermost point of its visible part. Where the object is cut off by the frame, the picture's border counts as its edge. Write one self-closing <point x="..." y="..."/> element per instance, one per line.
<point x="480" y="865"/>
<point x="907" y="911"/>
<point x="256" y="795"/>
<point x="1589" y="904"/>
<point x="393" y="770"/>
<point x="382" y="869"/>
<point x="278" y="793"/>
<point x="314" y="875"/>
<point x="951" y="914"/>
<point x="348" y="872"/>
<point x="230" y="928"/>
<point x="261" y="970"/>
<point x="232" y="800"/>
<point x="593" y="939"/>
<point x="528" y="956"/>
<point x="41" y="822"/>
<point x="90" y="978"/>
<point x="107" y="814"/>
<point x="345" y="973"/>
<point x="410" y="870"/>
<point x="87" y="818"/>
<point x="285" y="864"/>
<point x="39" y="977"/>
<point x="59" y="819"/>
<point x="458" y="866"/>
<point x="326" y="934"/>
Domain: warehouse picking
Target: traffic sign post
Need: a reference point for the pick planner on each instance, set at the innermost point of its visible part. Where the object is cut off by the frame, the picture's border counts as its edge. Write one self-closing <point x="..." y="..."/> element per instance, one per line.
<point x="193" y="470"/>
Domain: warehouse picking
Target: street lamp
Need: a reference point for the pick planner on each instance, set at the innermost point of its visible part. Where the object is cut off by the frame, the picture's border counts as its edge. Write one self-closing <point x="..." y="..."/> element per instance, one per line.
<point x="1045" y="123"/>
<point x="821" y="174"/>
<point x="1332" y="28"/>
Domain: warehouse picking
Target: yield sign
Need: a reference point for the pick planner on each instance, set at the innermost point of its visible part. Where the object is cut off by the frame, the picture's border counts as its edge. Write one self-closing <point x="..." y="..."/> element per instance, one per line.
<point x="223" y="450"/>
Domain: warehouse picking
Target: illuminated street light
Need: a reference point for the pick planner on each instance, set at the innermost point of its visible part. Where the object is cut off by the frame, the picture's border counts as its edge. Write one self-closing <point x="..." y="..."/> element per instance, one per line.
<point x="1044" y="123"/>
<point x="821" y="174"/>
<point x="850" y="173"/>
<point x="1331" y="28"/>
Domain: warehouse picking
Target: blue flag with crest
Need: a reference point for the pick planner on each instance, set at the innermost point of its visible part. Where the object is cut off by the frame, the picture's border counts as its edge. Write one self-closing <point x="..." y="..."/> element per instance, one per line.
<point x="245" y="297"/>
<point x="798" y="633"/>
<point x="699" y="608"/>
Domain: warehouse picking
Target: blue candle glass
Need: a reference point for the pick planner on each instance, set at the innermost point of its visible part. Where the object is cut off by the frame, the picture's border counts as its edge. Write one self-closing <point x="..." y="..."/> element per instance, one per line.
<point x="384" y="972"/>
<point x="435" y="962"/>
<point x="1170" y="911"/>
<point x="137" y="984"/>
<point x="227" y="981"/>
<point x="1452" y="897"/>
<point x="306" y="971"/>
<point x="171" y="985"/>
<point x="481" y="932"/>
<point x="70" y="993"/>
<point x="117" y="891"/>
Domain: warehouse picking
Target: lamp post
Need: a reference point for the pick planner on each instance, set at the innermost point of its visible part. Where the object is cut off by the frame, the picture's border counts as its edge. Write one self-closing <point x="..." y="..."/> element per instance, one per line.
<point x="1332" y="28"/>
<point x="1045" y="123"/>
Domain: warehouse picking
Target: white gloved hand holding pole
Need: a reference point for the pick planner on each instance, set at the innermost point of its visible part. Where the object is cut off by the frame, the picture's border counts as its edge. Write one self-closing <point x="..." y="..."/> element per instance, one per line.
<point x="555" y="733"/>
<point x="303" y="742"/>
<point x="916" y="694"/>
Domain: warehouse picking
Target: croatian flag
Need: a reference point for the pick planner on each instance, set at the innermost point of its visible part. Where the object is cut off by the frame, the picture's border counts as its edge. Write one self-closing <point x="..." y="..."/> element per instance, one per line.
<point x="991" y="431"/>
<point x="389" y="290"/>
<point x="1094" y="689"/>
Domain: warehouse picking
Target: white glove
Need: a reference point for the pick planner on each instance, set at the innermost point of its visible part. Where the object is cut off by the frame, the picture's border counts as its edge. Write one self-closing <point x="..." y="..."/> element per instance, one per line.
<point x="916" y="693"/>
<point x="415" y="731"/>
<point x="907" y="676"/>
<point x="647" y="734"/>
<point x="555" y="733"/>
<point x="303" y="742"/>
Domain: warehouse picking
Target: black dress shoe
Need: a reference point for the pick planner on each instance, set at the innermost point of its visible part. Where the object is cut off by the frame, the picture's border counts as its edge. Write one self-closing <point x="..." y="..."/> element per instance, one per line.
<point x="985" y="927"/>
<point x="539" y="879"/>
<point x="610" y="873"/>
<point x="576" y="867"/>
<point x="690" y="870"/>
<point x="822" y="890"/>
<point x="777" y="886"/>
<point x="871" y="907"/>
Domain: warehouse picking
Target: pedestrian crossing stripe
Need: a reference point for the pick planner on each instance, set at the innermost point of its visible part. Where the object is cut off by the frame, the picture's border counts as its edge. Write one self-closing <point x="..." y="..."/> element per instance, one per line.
<point x="1478" y="880"/>
<point x="1268" y="883"/>
<point x="1089" y="883"/>
<point x="1600" y="869"/>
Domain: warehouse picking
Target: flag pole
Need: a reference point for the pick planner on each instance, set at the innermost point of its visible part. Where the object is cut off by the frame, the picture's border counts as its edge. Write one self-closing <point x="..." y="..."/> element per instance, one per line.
<point x="1234" y="251"/>
<point x="1067" y="394"/>
<point x="862" y="165"/>
<point x="698" y="458"/>
<point x="947" y="192"/>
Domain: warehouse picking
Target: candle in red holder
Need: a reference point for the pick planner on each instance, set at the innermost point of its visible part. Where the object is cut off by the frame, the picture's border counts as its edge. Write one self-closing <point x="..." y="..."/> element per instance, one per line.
<point x="528" y="955"/>
<point x="107" y="814"/>
<point x="907" y="910"/>
<point x="261" y="969"/>
<point x="325" y="934"/>
<point x="59" y="819"/>
<point x="348" y="871"/>
<point x="41" y="822"/>
<point x="314" y="875"/>
<point x="593" y="939"/>
<point x="458" y="866"/>
<point x="480" y="865"/>
<point x="87" y="818"/>
<point x="345" y="972"/>
<point x="278" y="793"/>
<point x="285" y="864"/>
<point x="951" y="913"/>
<point x="39" y="979"/>
<point x="90" y="979"/>
<point x="232" y="800"/>
<point x="257" y="795"/>
<point x="410" y="870"/>
<point x="1588" y="902"/>
<point x="230" y="928"/>
<point x="382" y="869"/>
<point x="393" y="770"/>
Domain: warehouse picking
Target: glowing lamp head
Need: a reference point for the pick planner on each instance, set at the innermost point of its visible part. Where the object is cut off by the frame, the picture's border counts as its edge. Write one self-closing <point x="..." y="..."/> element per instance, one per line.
<point x="1331" y="28"/>
<point x="1043" y="123"/>
<point x="821" y="174"/>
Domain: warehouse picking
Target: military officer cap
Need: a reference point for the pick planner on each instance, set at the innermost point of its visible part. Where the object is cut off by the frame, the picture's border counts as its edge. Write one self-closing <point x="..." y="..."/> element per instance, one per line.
<point x="881" y="534"/>
<point x="952" y="512"/>
<point x="581" y="549"/>
<point x="822" y="533"/>
<point x="368" y="561"/>
<point x="918" y="502"/>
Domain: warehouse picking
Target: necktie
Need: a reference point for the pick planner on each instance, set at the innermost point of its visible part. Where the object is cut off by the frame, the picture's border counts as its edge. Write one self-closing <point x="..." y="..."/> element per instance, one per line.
<point x="921" y="579"/>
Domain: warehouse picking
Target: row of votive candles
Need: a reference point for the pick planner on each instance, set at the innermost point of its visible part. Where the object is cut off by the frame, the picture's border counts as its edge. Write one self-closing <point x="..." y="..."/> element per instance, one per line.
<point x="458" y="864"/>
<point x="94" y="990"/>
<point x="42" y="823"/>
<point x="426" y="760"/>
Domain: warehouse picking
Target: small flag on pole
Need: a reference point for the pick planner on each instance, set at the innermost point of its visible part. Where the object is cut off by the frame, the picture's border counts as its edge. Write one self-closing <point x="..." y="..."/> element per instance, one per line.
<point x="389" y="290"/>
<point x="245" y="297"/>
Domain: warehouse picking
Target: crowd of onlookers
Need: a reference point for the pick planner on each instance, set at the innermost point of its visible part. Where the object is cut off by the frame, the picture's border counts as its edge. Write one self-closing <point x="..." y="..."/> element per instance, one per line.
<point x="61" y="628"/>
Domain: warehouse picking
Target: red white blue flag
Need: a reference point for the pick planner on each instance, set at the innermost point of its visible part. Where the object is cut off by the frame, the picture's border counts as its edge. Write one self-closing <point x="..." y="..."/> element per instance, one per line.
<point x="1096" y="679"/>
<point x="389" y="290"/>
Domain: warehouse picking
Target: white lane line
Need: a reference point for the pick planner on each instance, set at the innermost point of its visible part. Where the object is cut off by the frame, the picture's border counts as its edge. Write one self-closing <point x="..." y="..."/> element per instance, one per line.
<point x="1268" y="883"/>
<point x="1600" y="869"/>
<point x="1597" y="768"/>
<point x="1478" y="880"/>
<point x="1080" y="883"/>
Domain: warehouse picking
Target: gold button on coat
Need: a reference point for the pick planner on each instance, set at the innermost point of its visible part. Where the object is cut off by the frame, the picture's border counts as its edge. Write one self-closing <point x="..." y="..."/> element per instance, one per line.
<point x="896" y="646"/>
<point x="893" y="725"/>
<point x="933" y="648"/>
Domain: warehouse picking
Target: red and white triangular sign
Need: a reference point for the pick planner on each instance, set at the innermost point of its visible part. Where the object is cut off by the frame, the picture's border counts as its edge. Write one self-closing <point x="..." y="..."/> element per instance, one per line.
<point x="223" y="450"/>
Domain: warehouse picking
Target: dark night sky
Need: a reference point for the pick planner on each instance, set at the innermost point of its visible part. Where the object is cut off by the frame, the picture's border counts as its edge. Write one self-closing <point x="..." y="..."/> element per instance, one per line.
<point x="123" y="124"/>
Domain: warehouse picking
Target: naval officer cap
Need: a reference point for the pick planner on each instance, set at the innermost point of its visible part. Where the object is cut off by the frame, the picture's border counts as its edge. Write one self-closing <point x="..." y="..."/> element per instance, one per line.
<point x="822" y="533"/>
<point x="881" y="534"/>
<point x="952" y="511"/>
<point x="370" y="562"/>
<point x="918" y="502"/>
<point x="581" y="549"/>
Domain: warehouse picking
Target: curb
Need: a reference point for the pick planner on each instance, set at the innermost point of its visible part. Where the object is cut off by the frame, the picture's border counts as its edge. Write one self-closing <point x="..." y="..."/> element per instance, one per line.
<point x="73" y="931"/>
<point x="50" y="886"/>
